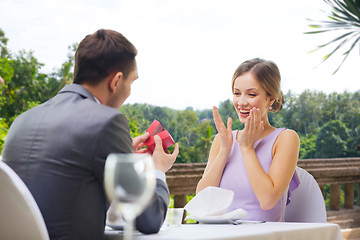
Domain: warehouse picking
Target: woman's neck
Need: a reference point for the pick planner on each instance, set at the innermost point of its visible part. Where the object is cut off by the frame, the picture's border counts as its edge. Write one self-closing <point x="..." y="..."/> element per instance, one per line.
<point x="267" y="129"/>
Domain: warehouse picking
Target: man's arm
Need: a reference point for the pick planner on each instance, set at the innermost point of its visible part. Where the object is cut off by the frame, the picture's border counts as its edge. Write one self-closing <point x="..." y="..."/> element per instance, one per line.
<point x="115" y="138"/>
<point x="151" y="220"/>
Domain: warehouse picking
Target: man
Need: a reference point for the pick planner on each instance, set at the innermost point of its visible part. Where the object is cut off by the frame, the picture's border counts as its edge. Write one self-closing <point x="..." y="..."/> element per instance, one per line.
<point x="59" y="148"/>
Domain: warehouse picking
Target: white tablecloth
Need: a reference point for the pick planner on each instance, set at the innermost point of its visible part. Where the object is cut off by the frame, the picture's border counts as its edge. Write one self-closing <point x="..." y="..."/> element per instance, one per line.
<point x="249" y="231"/>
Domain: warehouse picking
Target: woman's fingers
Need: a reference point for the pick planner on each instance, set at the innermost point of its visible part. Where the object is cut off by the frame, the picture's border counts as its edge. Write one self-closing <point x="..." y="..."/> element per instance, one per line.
<point x="229" y="124"/>
<point x="217" y="119"/>
<point x="253" y="128"/>
<point x="225" y="132"/>
<point x="248" y="122"/>
<point x="255" y="119"/>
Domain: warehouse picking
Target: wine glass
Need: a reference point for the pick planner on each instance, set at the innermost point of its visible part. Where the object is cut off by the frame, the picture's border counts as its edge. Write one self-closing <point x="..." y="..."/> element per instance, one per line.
<point x="129" y="180"/>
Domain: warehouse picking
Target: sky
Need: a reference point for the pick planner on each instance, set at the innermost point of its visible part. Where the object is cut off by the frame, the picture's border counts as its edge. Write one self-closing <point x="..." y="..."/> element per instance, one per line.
<point x="188" y="49"/>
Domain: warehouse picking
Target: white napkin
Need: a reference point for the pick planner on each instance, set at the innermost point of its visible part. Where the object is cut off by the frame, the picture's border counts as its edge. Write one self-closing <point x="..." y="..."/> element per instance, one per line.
<point x="212" y="203"/>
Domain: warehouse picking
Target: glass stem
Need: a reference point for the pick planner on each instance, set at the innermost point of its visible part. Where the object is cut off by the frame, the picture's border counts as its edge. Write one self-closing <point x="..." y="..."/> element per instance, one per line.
<point x="129" y="218"/>
<point x="129" y="228"/>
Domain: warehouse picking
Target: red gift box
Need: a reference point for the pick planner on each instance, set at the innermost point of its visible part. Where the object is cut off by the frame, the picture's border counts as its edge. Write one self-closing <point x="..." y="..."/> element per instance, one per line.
<point x="157" y="129"/>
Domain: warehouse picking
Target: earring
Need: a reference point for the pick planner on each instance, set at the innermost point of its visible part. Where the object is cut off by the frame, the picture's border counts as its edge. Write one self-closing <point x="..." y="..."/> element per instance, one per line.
<point x="270" y="108"/>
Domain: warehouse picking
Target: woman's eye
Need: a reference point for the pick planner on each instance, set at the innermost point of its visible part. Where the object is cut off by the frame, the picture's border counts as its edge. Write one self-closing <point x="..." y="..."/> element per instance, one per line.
<point x="236" y="93"/>
<point x="252" y="95"/>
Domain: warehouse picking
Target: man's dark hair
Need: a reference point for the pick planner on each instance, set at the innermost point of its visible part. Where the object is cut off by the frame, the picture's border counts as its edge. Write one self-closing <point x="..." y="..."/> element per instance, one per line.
<point x="101" y="54"/>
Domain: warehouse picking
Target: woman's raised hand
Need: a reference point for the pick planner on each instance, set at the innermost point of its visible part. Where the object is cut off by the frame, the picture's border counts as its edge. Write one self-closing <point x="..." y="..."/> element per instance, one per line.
<point x="225" y="134"/>
<point x="252" y="131"/>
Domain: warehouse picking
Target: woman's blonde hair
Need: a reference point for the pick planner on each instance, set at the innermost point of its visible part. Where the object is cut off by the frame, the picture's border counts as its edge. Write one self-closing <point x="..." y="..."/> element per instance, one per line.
<point x="268" y="75"/>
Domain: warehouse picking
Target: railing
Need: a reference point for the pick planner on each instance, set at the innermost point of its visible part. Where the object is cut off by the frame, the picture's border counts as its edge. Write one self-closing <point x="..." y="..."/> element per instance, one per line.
<point x="182" y="179"/>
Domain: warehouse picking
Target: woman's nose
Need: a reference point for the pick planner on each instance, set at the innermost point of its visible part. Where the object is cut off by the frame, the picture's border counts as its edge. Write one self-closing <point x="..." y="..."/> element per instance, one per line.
<point x="242" y="101"/>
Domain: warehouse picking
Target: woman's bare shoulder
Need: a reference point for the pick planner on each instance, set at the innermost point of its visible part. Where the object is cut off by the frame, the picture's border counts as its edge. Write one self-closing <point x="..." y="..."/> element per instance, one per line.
<point x="288" y="136"/>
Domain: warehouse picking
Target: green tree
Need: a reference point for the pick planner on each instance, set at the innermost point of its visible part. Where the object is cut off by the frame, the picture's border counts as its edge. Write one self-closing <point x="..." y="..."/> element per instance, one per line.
<point x="345" y="17"/>
<point x="183" y="130"/>
<point x="205" y="139"/>
<point x="332" y="140"/>
<point x="354" y="142"/>
<point x="23" y="85"/>
<point x="328" y="124"/>
<point x="64" y="76"/>
<point x="290" y="113"/>
<point x="4" y="52"/>
<point x="307" y="146"/>
<point x="3" y="131"/>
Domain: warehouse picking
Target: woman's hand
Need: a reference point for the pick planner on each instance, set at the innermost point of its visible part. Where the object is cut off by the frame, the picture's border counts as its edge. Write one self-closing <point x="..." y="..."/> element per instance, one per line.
<point x="225" y="134"/>
<point x="252" y="131"/>
<point x="139" y="142"/>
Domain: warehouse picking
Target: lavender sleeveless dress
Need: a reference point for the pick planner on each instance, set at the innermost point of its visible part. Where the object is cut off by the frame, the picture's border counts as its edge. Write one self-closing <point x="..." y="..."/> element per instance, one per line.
<point x="235" y="178"/>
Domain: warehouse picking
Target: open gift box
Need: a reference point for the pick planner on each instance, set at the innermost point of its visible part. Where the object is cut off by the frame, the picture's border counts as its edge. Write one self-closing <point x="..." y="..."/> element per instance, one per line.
<point x="157" y="129"/>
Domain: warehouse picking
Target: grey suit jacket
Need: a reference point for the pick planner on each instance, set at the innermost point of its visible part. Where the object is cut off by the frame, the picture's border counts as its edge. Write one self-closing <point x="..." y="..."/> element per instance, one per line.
<point x="59" y="149"/>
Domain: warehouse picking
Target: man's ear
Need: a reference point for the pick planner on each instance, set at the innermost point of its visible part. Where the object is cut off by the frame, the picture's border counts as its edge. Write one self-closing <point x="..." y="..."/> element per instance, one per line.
<point x="114" y="82"/>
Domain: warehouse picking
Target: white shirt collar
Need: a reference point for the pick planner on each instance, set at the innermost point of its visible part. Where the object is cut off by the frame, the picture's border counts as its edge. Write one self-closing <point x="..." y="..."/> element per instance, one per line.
<point x="97" y="100"/>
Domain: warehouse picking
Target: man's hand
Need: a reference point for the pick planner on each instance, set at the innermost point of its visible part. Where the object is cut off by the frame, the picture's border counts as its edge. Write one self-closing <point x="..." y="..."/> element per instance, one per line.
<point x="139" y="142"/>
<point x="162" y="160"/>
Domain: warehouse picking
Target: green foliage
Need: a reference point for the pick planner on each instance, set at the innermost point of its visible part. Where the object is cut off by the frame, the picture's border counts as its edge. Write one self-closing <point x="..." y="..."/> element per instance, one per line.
<point x="332" y="140"/>
<point x="344" y="16"/>
<point x="356" y="194"/>
<point x="324" y="122"/>
<point x="308" y="112"/>
<point x="24" y="85"/>
<point x="3" y="42"/>
<point x="3" y="131"/>
<point x="328" y="125"/>
<point x="193" y="135"/>
<point x="307" y="146"/>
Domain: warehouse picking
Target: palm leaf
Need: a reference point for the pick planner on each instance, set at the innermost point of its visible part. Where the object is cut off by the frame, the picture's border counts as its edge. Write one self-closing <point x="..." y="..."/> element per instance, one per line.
<point x="345" y="15"/>
<point x="349" y="10"/>
<point x="335" y="49"/>
<point x="321" y="31"/>
<point x="335" y="40"/>
<point x="345" y="10"/>
<point x="353" y="7"/>
<point x="347" y="53"/>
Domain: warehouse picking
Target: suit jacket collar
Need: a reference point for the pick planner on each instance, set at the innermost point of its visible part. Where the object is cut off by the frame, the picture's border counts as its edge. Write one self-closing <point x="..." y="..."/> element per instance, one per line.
<point x="77" y="88"/>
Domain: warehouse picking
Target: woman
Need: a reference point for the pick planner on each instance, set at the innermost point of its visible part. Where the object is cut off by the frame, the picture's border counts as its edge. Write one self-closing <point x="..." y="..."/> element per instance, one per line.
<point x="258" y="162"/>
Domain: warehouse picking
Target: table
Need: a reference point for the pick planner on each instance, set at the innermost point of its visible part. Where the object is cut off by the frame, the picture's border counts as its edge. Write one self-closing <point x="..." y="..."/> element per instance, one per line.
<point x="248" y="231"/>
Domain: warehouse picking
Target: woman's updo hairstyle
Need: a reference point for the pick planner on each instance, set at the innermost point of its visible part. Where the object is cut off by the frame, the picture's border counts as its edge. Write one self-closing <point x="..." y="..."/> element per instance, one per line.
<point x="268" y="75"/>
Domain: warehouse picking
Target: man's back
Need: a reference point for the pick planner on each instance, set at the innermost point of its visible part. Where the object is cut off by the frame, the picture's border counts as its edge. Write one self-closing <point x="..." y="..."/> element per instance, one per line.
<point x="58" y="149"/>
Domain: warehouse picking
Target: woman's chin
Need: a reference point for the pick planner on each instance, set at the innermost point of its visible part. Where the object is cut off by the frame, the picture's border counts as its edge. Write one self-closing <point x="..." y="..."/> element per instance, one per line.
<point x="242" y="119"/>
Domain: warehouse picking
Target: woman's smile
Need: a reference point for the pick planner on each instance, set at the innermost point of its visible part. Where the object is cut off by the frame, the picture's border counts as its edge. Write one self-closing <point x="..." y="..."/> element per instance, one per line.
<point x="244" y="112"/>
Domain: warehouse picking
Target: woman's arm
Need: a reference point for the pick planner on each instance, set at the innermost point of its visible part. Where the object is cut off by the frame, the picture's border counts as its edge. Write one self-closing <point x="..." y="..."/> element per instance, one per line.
<point x="214" y="168"/>
<point x="219" y="152"/>
<point x="268" y="188"/>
